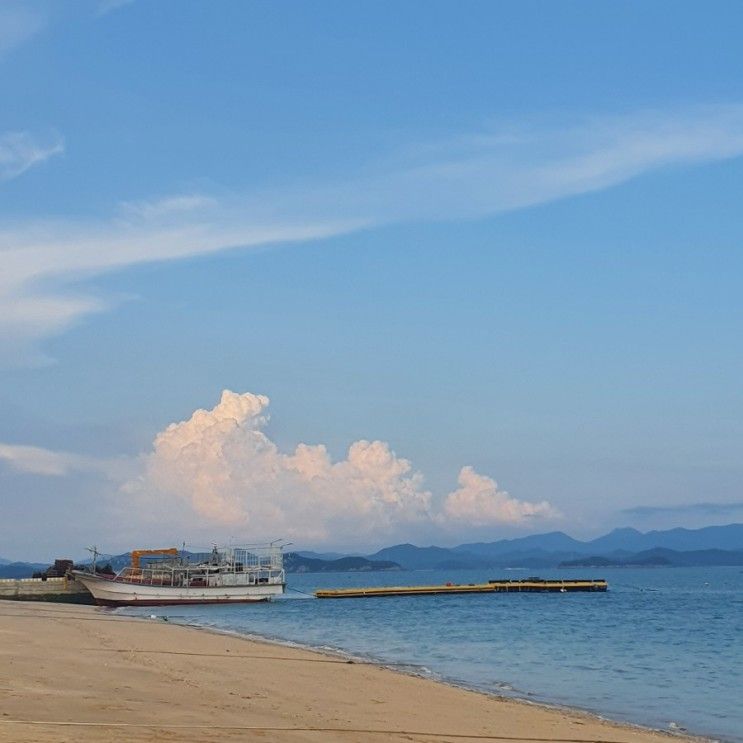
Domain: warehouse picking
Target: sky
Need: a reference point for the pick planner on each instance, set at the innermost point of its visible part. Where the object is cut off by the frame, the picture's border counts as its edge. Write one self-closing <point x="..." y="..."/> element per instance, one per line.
<point x="353" y="274"/>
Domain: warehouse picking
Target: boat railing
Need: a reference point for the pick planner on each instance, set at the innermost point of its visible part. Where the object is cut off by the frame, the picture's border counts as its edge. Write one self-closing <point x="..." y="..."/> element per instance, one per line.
<point x="257" y="557"/>
<point x="250" y="557"/>
<point x="200" y="576"/>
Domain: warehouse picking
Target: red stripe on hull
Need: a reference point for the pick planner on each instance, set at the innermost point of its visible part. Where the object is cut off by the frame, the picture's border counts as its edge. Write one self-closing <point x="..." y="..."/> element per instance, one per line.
<point x="174" y="602"/>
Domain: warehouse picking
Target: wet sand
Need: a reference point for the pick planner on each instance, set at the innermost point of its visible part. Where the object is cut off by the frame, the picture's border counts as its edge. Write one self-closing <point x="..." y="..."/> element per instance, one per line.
<point x="75" y="673"/>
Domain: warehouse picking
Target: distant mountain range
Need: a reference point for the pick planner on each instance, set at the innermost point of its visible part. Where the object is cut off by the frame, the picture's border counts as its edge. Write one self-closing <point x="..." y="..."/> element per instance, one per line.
<point x="728" y="537"/>
<point x="712" y="545"/>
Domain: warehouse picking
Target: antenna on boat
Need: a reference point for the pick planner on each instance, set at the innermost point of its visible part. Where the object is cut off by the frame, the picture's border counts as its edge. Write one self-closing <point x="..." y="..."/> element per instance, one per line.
<point x="94" y="551"/>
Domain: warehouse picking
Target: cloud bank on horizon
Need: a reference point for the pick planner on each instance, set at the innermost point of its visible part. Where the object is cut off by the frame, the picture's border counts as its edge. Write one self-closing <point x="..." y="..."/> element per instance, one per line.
<point x="218" y="473"/>
<point x="474" y="176"/>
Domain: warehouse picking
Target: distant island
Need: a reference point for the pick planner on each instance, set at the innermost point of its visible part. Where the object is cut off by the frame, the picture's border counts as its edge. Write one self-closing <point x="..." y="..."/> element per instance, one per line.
<point x="296" y="563"/>
<point x="660" y="557"/>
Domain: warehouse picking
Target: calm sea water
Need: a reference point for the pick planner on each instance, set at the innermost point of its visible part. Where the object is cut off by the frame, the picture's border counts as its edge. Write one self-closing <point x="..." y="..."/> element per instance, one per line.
<point x="664" y="645"/>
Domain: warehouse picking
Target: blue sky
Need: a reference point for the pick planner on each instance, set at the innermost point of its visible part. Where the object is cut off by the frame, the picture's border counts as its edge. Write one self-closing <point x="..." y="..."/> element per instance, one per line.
<point x="503" y="236"/>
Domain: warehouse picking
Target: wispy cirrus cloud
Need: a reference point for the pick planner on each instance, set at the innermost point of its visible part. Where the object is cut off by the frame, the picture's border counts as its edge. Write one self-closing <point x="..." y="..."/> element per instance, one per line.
<point x="182" y="204"/>
<point x="20" y="151"/>
<point x="498" y="169"/>
<point x="40" y="264"/>
<point x="109" y="6"/>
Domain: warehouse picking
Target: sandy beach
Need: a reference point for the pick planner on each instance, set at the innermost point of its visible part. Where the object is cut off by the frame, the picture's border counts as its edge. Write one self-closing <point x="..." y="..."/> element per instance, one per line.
<point x="75" y="673"/>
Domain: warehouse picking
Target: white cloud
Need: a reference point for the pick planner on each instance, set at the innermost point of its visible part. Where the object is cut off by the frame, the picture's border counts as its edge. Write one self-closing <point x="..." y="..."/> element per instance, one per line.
<point x="479" y="502"/>
<point x="38" y="461"/>
<point x="506" y="168"/>
<point x="220" y="467"/>
<point x="219" y="475"/>
<point x="221" y="471"/>
<point x="20" y="151"/>
<point x="109" y="6"/>
<point x="40" y="262"/>
<point x="151" y="210"/>
<point x="18" y="24"/>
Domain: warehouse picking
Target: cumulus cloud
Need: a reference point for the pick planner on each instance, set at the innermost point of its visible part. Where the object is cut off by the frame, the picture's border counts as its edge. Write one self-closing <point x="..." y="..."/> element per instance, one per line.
<point x="501" y="168"/>
<point x="221" y="469"/>
<point x="479" y="502"/>
<point x="20" y="151"/>
<point x="218" y="475"/>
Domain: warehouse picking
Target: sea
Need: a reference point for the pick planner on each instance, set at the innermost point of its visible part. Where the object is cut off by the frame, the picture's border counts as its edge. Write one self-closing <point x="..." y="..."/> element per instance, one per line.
<point x="662" y="648"/>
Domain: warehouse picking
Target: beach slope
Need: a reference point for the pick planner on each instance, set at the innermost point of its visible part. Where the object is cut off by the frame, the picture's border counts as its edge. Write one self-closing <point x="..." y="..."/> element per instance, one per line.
<point x="74" y="673"/>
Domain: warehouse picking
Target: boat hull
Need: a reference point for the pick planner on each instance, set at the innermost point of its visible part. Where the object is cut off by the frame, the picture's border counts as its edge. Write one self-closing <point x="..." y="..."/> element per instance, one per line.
<point x="108" y="592"/>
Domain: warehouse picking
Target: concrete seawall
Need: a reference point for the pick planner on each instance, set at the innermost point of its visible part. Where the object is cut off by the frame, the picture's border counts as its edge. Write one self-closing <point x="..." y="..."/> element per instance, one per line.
<point x="65" y="590"/>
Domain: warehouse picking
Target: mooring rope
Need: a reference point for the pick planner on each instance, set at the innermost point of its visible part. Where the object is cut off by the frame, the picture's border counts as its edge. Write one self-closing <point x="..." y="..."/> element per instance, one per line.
<point x="304" y="593"/>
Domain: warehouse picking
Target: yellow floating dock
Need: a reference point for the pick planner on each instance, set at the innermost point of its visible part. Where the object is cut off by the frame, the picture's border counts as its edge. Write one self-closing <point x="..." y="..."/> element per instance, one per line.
<point x="530" y="585"/>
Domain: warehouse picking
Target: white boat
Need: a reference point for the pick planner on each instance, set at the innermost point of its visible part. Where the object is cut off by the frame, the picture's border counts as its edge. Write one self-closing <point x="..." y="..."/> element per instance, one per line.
<point x="226" y="575"/>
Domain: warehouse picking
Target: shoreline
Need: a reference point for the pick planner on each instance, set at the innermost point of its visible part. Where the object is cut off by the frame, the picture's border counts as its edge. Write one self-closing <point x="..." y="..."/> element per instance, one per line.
<point x="407" y="669"/>
<point x="71" y="673"/>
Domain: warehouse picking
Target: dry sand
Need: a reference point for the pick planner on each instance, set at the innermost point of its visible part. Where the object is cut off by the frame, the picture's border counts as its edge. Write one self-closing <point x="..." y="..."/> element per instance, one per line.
<point x="113" y="678"/>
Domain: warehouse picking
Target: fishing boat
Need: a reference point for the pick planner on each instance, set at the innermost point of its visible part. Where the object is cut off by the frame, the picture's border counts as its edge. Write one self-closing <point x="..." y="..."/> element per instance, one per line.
<point x="224" y="576"/>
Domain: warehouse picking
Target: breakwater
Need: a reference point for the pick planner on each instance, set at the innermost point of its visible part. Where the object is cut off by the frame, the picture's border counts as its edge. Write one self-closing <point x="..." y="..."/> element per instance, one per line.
<point x="65" y="590"/>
